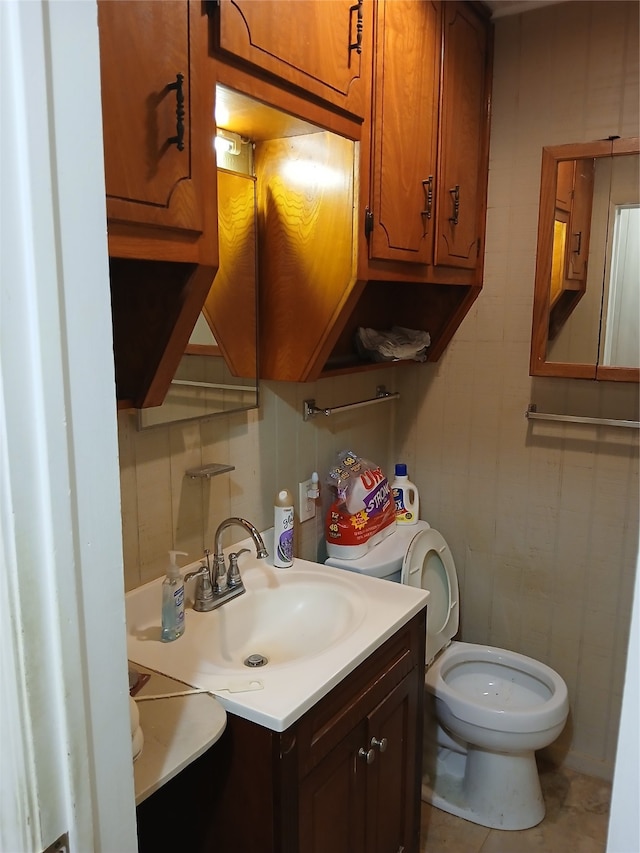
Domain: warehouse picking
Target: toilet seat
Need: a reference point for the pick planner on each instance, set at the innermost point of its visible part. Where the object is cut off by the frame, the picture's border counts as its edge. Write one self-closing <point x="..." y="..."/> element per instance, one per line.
<point x="428" y="564"/>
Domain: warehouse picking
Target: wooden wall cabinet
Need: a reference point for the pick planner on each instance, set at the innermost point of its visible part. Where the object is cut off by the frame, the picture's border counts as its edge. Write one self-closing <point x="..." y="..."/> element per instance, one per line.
<point x="428" y="162"/>
<point x="463" y="150"/>
<point x="424" y="208"/>
<point x="310" y="789"/>
<point x="404" y="128"/>
<point x="412" y="253"/>
<point x="314" y="47"/>
<point x="157" y="98"/>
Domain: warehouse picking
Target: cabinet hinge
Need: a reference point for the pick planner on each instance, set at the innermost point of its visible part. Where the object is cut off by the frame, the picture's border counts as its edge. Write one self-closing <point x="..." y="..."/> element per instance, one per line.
<point x="368" y="222"/>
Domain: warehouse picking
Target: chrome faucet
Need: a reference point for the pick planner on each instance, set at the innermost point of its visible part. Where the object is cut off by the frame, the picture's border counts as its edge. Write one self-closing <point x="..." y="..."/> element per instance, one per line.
<point x="215" y="585"/>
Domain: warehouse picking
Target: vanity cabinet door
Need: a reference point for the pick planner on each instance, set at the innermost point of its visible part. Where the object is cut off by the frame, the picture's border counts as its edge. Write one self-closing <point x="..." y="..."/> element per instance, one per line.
<point x="404" y="123"/>
<point x="392" y="821"/>
<point x="332" y="799"/>
<point x="463" y="146"/>
<point x="360" y="797"/>
<point x="317" y="46"/>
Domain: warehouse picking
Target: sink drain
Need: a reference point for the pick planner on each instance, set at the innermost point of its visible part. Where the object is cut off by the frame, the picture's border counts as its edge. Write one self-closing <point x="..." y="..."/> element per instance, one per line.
<point x="256" y="660"/>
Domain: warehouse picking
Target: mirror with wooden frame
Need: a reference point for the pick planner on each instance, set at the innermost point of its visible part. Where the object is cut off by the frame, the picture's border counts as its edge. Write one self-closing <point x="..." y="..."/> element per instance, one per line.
<point x="586" y="309"/>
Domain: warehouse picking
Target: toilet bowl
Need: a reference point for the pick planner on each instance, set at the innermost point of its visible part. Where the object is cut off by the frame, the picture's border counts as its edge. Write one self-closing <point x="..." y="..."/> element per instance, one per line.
<point x="487" y="710"/>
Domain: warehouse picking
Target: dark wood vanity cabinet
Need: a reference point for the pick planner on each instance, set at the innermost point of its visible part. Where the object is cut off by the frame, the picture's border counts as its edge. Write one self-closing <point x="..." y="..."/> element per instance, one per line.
<point x="345" y="778"/>
<point x="158" y="89"/>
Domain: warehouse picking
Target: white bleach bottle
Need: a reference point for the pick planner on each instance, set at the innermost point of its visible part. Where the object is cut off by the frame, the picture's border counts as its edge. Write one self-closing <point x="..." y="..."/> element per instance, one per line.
<point x="405" y="496"/>
<point x="283" y="529"/>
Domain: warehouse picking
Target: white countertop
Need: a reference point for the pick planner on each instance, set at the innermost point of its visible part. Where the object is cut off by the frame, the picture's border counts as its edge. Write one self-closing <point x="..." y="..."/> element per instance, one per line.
<point x="286" y="689"/>
<point x="176" y="731"/>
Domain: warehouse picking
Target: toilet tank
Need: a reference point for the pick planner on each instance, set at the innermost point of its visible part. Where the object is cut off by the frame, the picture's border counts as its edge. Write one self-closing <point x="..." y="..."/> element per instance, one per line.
<point x="384" y="560"/>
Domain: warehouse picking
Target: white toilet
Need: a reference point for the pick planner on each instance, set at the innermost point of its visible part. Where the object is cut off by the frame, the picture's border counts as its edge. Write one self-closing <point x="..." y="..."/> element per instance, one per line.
<point x="487" y="710"/>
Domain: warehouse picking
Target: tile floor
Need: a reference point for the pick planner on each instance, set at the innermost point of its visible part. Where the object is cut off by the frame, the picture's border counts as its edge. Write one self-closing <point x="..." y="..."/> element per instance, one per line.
<point x="576" y="820"/>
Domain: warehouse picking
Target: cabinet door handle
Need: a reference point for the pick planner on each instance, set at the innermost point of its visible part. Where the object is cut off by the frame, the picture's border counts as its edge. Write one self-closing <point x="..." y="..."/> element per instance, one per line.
<point x="357" y="44"/>
<point x="455" y="194"/>
<point x="368" y="755"/>
<point x="178" y="139"/>
<point x="381" y="743"/>
<point x="427" y="186"/>
<point x="577" y="242"/>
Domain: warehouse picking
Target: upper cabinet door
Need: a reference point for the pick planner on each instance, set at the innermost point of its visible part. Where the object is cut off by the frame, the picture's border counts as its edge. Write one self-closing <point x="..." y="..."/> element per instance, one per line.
<point x="405" y="114"/>
<point x="313" y="45"/>
<point x="148" y="99"/>
<point x="463" y="138"/>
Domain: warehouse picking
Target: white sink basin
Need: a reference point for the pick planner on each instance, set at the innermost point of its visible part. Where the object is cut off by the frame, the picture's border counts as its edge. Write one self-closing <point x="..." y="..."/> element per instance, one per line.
<point x="284" y="616"/>
<point x="312" y="623"/>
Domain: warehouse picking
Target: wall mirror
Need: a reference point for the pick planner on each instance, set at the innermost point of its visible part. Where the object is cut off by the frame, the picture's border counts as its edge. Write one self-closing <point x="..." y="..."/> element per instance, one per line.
<point x="218" y="372"/>
<point x="586" y="310"/>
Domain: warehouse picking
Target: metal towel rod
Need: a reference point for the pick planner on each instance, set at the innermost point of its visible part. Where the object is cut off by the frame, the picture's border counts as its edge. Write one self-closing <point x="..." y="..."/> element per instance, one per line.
<point x="215" y="385"/>
<point x="533" y="414"/>
<point x="311" y="410"/>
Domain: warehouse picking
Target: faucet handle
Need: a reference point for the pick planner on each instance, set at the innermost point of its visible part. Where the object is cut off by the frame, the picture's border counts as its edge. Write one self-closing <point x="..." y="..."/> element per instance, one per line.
<point x="234" y="570"/>
<point x="204" y="590"/>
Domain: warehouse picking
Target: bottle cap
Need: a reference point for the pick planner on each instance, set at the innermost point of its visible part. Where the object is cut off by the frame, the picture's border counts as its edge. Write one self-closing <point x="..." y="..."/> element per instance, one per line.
<point x="401" y="469"/>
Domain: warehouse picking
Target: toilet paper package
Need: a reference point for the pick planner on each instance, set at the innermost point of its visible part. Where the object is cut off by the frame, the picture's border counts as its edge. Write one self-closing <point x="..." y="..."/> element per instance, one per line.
<point x="363" y="512"/>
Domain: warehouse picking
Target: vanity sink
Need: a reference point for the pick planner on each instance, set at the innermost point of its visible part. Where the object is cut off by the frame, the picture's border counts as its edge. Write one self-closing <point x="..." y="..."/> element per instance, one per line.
<point x="269" y="654"/>
<point x="284" y="617"/>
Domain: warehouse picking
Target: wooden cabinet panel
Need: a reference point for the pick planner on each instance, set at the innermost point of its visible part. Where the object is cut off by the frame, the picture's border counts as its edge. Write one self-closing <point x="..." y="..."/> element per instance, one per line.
<point x="149" y="178"/>
<point x="463" y="131"/>
<point x="392" y="775"/>
<point x="306" y="187"/>
<point x="580" y="220"/>
<point x="319" y="50"/>
<point x="161" y="201"/>
<point x="404" y="121"/>
<point x="332" y="799"/>
<point x="231" y="304"/>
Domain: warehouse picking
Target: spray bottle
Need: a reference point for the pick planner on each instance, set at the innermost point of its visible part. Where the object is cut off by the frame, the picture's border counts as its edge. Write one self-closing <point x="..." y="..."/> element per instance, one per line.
<point x="283" y="529"/>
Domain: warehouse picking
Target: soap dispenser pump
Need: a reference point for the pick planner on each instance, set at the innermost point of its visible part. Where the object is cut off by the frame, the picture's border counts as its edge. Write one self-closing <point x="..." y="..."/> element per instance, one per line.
<point x="173" y="600"/>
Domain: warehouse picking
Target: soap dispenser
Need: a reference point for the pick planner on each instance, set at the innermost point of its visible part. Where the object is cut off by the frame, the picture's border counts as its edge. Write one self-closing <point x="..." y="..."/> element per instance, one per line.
<point x="173" y="600"/>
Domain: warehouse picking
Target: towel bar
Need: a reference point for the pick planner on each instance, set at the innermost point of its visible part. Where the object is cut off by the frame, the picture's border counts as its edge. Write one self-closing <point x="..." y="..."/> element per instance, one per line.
<point x="532" y="413"/>
<point x="311" y="410"/>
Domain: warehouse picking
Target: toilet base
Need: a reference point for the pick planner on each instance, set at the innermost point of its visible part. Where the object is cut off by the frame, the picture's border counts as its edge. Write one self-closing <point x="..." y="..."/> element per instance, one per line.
<point x="492" y="789"/>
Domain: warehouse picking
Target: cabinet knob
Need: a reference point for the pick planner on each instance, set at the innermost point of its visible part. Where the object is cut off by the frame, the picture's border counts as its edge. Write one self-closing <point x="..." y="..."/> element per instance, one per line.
<point x="381" y="743"/>
<point x="368" y="755"/>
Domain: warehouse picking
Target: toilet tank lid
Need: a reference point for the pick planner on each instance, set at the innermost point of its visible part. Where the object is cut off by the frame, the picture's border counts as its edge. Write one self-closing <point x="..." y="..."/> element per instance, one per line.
<point x="386" y="557"/>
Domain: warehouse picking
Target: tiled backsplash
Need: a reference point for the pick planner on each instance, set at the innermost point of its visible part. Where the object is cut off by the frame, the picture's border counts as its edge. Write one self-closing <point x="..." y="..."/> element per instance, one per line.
<point x="542" y="518"/>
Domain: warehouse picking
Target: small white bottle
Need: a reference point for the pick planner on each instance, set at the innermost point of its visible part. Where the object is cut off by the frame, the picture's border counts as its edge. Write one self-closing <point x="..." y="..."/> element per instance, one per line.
<point x="173" y="600"/>
<point x="405" y="496"/>
<point x="283" y="529"/>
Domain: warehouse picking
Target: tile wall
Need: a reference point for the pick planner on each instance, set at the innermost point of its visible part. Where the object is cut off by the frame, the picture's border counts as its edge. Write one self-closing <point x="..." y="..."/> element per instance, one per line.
<point x="542" y="520"/>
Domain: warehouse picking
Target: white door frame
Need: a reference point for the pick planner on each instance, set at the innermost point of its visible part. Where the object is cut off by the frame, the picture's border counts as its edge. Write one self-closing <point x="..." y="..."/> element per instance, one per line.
<point x="66" y="756"/>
